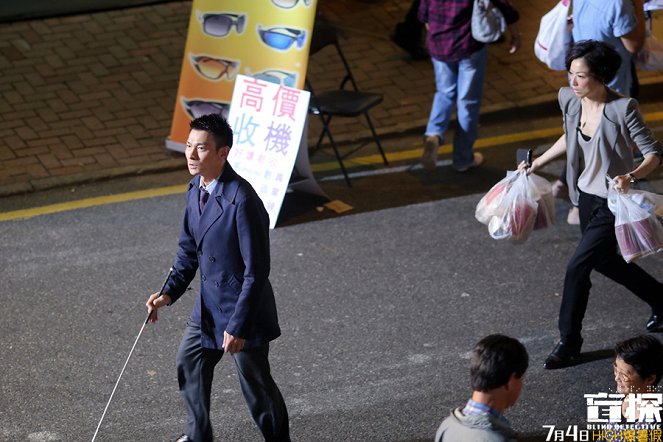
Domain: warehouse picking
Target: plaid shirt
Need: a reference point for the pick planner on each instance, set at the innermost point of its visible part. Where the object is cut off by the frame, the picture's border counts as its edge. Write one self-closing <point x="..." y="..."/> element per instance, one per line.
<point x="473" y="408"/>
<point x="450" y="26"/>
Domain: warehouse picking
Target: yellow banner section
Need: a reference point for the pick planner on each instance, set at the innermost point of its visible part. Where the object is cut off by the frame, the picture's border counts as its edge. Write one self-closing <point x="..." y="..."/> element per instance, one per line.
<point x="265" y="39"/>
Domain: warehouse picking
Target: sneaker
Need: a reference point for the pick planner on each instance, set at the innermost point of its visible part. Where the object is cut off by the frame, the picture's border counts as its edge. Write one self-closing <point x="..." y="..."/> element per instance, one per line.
<point x="478" y="161"/>
<point x="573" y="217"/>
<point x="429" y="157"/>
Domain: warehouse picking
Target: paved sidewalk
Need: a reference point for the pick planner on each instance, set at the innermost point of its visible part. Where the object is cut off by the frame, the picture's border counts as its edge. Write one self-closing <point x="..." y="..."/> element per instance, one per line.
<point x="91" y="96"/>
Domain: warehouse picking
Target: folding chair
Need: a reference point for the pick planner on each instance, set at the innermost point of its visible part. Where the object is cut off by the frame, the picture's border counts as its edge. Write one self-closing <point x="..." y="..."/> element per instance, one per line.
<point x="340" y="102"/>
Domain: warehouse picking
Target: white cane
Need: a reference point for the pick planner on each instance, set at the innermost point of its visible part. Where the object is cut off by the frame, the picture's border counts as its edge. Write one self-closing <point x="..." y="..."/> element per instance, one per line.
<point x="170" y="272"/>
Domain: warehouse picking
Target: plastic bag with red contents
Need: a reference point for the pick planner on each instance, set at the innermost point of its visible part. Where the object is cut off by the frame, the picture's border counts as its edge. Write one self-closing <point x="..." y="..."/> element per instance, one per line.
<point x="517" y="214"/>
<point x="517" y="205"/>
<point x="491" y="203"/>
<point x="638" y="228"/>
<point x="545" y="211"/>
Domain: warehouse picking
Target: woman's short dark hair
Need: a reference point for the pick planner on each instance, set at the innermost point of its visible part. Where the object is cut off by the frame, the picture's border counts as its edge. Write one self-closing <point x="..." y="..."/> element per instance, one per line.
<point x="217" y="126"/>
<point x="644" y="353"/>
<point x="603" y="60"/>
<point x="494" y="359"/>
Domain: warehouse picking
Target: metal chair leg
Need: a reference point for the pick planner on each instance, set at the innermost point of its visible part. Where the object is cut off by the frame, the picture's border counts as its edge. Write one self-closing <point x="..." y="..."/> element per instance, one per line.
<point x="322" y="135"/>
<point x="339" y="158"/>
<point x="377" y="140"/>
<point x="325" y="130"/>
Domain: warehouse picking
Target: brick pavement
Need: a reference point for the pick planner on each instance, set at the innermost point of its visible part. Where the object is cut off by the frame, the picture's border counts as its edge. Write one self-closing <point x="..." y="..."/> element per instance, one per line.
<point x="91" y="96"/>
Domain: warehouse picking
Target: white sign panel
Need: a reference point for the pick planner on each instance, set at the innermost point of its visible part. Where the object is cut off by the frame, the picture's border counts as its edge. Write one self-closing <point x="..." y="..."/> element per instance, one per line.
<point x="267" y="121"/>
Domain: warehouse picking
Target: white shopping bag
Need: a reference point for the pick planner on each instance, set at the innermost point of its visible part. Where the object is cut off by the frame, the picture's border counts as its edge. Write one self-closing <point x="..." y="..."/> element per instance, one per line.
<point x="637" y="227"/>
<point x="491" y="203"/>
<point x="516" y="205"/>
<point x="554" y="37"/>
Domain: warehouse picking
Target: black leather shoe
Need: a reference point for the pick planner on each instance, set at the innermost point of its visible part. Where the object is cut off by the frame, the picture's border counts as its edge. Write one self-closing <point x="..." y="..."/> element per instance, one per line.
<point x="183" y="438"/>
<point x="562" y="356"/>
<point x="655" y="322"/>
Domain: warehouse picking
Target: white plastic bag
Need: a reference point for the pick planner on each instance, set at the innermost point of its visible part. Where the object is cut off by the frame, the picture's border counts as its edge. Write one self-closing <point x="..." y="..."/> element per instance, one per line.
<point x="516" y="205"/>
<point x="545" y="210"/>
<point x="488" y="23"/>
<point x="554" y="37"/>
<point x="516" y="214"/>
<point x="490" y="204"/>
<point x="637" y="227"/>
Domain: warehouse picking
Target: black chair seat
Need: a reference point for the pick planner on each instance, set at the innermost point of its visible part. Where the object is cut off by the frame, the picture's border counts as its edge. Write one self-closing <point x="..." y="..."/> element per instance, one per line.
<point x="345" y="102"/>
<point x="341" y="102"/>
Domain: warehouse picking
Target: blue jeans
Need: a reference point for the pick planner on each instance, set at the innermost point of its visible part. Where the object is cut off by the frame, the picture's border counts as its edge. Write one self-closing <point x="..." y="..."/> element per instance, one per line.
<point x="458" y="83"/>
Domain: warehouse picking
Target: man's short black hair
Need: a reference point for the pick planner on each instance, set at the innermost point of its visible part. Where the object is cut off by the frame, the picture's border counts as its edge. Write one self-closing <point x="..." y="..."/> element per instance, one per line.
<point x="217" y="126"/>
<point x="644" y="353"/>
<point x="603" y="60"/>
<point x="494" y="359"/>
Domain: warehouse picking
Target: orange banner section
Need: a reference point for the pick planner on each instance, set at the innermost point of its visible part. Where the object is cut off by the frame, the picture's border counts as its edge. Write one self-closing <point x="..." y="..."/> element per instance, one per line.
<point x="265" y="39"/>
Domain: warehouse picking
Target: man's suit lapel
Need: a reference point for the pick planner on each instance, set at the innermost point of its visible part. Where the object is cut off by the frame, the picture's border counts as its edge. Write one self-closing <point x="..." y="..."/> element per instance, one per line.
<point x="223" y="194"/>
<point x="193" y="207"/>
<point x="213" y="211"/>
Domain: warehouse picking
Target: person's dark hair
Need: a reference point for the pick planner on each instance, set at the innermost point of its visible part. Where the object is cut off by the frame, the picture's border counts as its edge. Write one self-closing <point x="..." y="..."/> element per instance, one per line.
<point x="644" y="353"/>
<point x="603" y="60"/>
<point x="217" y="126"/>
<point x="494" y="359"/>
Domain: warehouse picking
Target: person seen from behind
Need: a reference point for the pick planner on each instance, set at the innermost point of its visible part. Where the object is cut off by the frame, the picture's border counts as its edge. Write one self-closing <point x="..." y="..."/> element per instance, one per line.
<point x="459" y="63"/>
<point x="497" y="372"/>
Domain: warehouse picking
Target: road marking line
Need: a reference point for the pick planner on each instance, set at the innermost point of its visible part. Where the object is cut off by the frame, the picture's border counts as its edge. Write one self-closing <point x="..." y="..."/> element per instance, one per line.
<point x="368" y="160"/>
<point x="383" y="171"/>
<point x="90" y="202"/>
<point x="481" y="143"/>
<point x="412" y="154"/>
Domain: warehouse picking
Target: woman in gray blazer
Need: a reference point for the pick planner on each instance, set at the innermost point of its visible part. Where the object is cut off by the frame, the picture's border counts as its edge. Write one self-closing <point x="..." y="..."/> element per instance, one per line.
<point x="600" y="128"/>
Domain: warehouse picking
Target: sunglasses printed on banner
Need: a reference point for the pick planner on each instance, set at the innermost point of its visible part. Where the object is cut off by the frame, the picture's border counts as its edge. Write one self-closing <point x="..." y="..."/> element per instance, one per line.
<point x="214" y="68"/>
<point x="282" y="38"/>
<point x="220" y="24"/>
<point x="288" y="4"/>
<point x="198" y="108"/>
<point x="277" y="76"/>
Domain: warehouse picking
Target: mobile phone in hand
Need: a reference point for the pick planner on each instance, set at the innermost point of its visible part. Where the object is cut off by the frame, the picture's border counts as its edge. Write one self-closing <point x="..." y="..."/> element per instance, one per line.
<point x="524" y="155"/>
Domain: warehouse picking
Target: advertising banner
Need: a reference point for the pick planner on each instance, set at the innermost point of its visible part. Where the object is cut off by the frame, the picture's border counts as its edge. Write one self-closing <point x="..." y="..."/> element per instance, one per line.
<point x="265" y="39"/>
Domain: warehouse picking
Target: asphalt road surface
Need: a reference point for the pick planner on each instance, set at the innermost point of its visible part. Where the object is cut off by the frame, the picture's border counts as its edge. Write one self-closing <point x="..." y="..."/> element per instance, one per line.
<point x="378" y="310"/>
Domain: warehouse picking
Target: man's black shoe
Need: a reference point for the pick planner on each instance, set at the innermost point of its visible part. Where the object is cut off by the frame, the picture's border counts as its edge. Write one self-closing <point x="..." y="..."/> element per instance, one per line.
<point x="562" y="356"/>
<point x="183" y="438"/>
<point x="655" y="322"/>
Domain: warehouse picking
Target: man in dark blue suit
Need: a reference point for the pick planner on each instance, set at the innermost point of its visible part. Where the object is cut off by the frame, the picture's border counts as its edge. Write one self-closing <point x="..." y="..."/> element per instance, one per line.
<point x="225" y="235"/>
